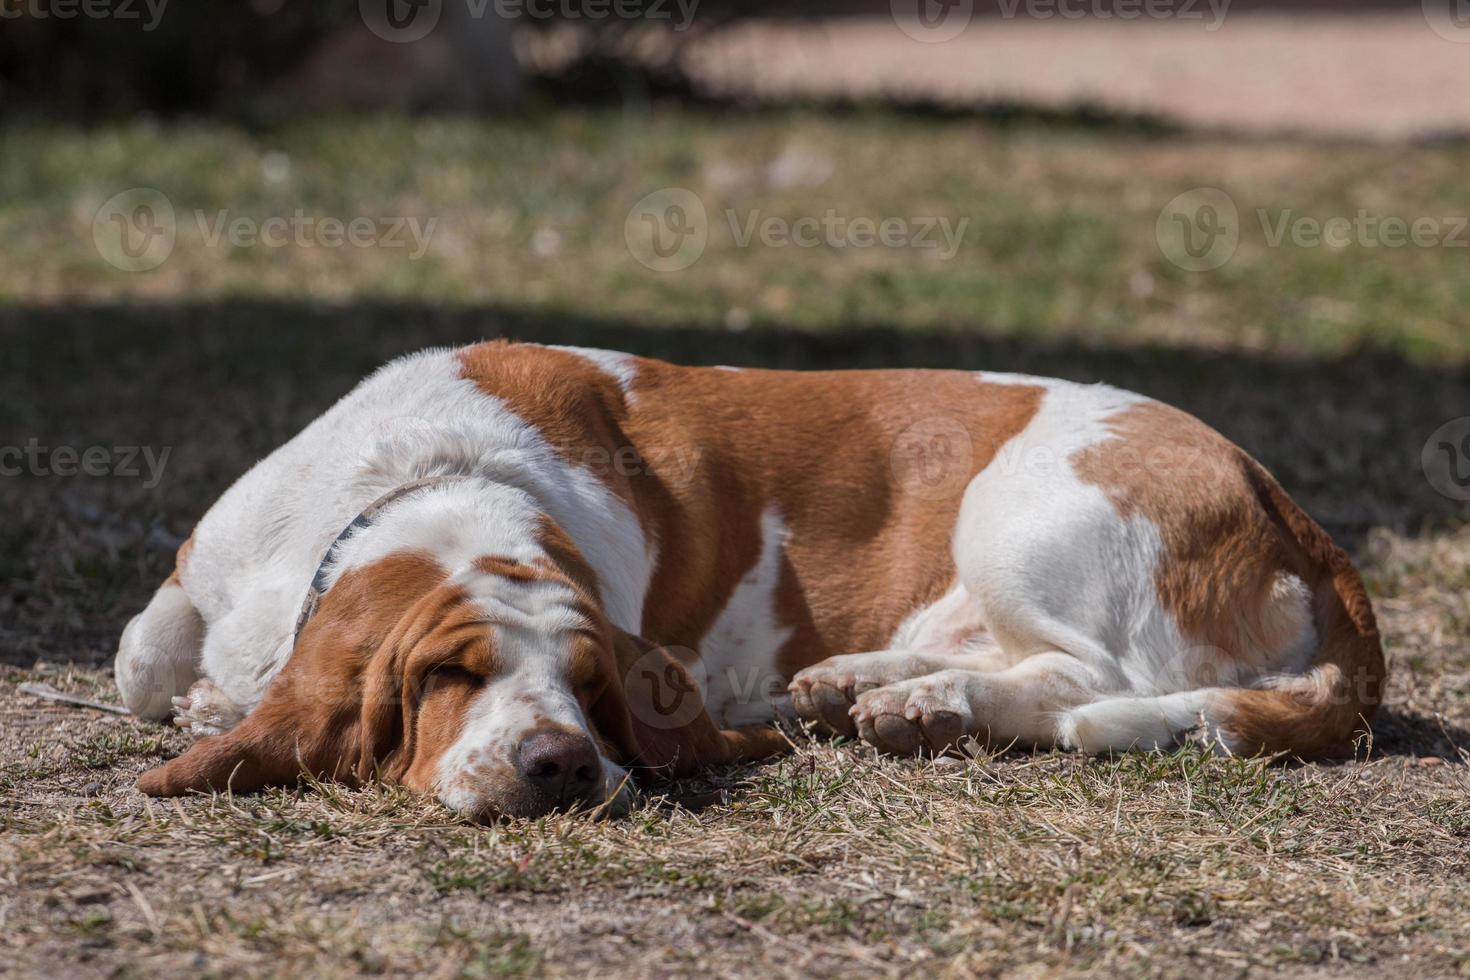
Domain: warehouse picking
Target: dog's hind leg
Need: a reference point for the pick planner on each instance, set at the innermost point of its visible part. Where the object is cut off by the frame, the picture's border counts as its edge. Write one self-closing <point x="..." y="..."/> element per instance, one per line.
<point x="158" y="655"/>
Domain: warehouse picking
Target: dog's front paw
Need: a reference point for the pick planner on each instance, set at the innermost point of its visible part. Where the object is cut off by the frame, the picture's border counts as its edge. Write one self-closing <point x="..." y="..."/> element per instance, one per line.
<point x="823" y="694"/>
<point x="205" y="710"/>
<point x="925" y="714"/>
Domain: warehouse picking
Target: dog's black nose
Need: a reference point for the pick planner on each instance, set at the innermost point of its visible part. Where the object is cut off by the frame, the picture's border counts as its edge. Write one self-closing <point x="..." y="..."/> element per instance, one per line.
<point x="563" y="768"/>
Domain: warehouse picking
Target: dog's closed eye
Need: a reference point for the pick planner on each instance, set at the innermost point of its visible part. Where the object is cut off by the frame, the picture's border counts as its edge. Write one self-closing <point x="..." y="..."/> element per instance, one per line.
<point x="446" y="675"/>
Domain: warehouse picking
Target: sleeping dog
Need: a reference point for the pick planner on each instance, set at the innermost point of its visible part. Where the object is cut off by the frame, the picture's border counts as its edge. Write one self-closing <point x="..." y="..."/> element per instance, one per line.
<point x="509" y="575"/>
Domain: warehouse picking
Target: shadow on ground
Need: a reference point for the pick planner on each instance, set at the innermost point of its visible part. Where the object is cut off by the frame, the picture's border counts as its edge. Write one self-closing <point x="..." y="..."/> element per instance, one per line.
<point x="217" y="385"/>
<point x="1401" y="732"/>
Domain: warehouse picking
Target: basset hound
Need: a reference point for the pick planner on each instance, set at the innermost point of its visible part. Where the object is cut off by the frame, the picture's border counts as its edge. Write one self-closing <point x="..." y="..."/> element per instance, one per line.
<point x="510" y="574"/>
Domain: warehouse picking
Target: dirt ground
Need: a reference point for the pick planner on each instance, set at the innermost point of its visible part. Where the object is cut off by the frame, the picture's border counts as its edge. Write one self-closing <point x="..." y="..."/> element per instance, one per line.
<point x="830" y="861"/>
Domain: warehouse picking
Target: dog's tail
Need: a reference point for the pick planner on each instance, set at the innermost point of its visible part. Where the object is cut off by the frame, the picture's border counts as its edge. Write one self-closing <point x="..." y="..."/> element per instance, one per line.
<point x="1321" y="712"/>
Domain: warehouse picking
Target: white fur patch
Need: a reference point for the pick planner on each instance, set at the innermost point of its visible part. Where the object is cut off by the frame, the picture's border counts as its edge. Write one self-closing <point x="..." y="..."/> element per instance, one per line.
<point x="1119" y="724"/>
<point x="532" y="622"/>
<point x="157" y="657"/>
<point x="739" y="652"/>
<point x="951" y="624"/>
<point x="257" y="549"/>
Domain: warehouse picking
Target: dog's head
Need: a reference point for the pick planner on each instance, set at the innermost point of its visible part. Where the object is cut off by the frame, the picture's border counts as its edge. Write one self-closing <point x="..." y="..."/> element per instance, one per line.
<point x="501" y="688"/>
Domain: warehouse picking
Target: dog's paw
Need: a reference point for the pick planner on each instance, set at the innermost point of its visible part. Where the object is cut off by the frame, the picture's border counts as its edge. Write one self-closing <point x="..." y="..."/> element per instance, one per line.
<point x="924" y="714"/>
<point x="824" y="693"/>
<point x="205" y="710"/>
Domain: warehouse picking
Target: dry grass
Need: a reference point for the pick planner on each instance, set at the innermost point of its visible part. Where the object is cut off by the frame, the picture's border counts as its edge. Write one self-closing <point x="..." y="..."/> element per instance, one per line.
<point x="830" y="861"/>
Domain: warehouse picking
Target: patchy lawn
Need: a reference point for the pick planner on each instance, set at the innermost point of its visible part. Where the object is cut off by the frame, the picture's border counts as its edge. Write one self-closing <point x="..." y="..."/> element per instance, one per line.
<point x="1333" y="367"/>
<point x="1053" y="230"/>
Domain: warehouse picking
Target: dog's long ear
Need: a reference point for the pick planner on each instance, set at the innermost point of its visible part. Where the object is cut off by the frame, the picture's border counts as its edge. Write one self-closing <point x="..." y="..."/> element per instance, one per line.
<point x="653" y="713"/>
<point x="306" y="725"/>
<point x="337" y="710"/>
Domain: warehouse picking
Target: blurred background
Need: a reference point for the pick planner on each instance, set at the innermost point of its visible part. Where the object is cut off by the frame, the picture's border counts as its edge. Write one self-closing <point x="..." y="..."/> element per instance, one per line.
<point x="215" y="218"/>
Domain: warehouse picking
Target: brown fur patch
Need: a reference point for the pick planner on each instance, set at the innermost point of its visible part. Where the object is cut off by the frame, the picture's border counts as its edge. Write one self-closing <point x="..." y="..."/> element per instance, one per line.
<point x="701" y="453"/>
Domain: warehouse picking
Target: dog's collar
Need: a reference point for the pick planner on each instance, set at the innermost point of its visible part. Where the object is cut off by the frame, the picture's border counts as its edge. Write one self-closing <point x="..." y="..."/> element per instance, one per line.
<point x="319" y="580"/>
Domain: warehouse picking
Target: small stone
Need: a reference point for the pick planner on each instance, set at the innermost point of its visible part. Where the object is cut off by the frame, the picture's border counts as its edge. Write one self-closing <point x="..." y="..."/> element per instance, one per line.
<point x="1430" y="760"/>
<point x="92" y="789"/>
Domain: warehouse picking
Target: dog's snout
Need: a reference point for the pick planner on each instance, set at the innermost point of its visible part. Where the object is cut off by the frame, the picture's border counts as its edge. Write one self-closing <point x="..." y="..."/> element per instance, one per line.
<point x="563" y="768"/>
